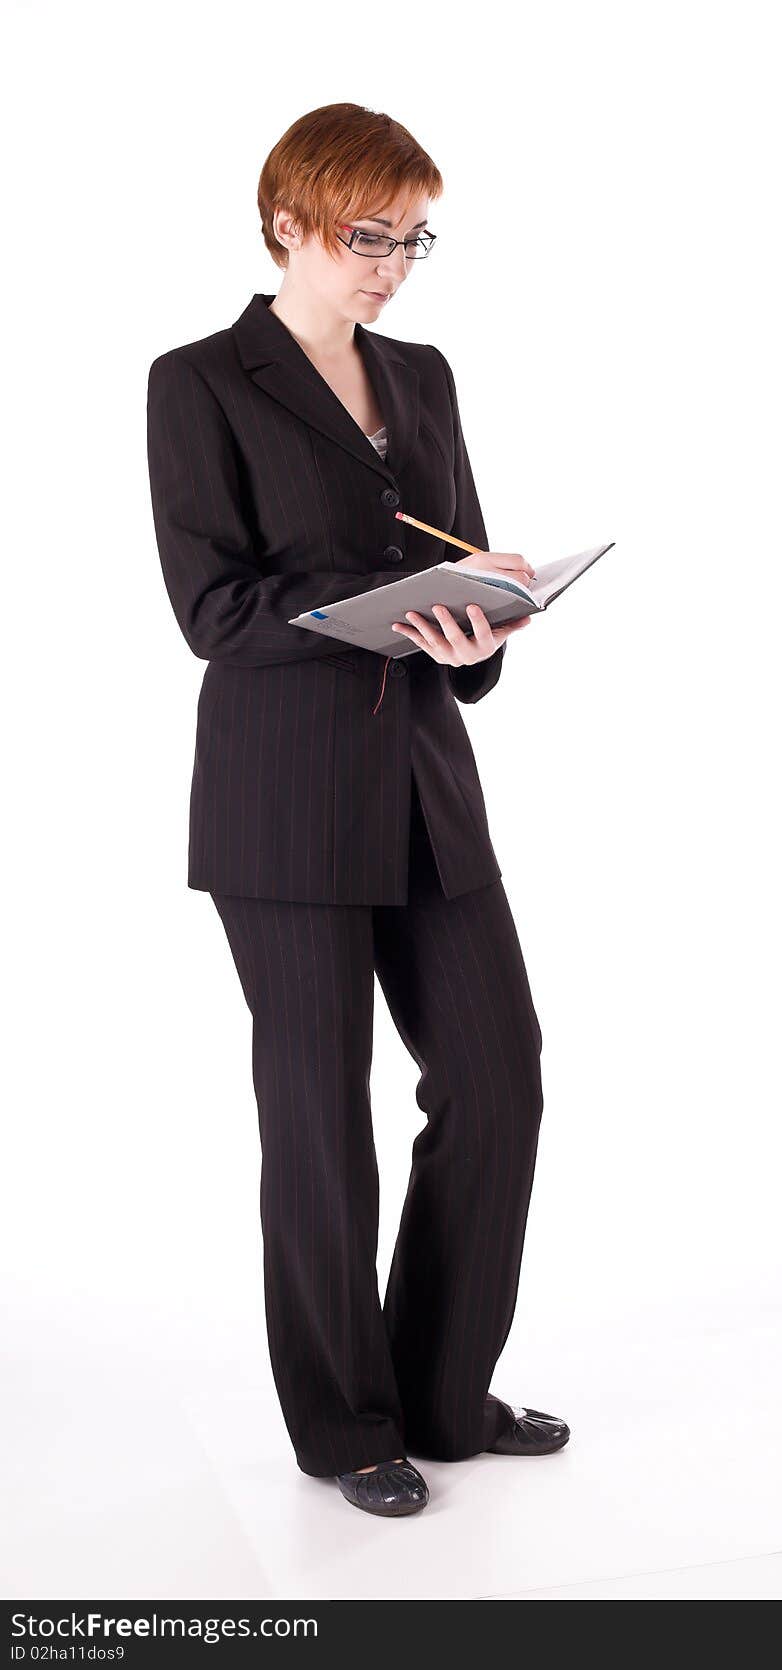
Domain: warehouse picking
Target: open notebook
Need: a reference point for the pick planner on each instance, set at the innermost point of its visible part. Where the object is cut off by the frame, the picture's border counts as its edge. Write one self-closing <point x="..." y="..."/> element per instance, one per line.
<point x="366" y="620"/>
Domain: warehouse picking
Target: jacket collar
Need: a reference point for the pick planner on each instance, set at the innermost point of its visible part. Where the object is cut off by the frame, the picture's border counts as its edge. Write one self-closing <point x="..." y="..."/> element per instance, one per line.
<point x="278" y="364"/>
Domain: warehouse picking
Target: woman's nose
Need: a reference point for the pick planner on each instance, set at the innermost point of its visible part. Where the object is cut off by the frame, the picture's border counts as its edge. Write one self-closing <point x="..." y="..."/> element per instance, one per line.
<point x="394" y="267"/>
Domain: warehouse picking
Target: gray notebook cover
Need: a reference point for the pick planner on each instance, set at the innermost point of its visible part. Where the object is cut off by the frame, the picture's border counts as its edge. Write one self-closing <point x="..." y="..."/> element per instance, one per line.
<point x="366" y="620"/>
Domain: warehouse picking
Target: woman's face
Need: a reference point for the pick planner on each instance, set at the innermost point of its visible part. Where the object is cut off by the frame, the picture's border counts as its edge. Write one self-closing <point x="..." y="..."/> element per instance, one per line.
<point x="358" y="287"/>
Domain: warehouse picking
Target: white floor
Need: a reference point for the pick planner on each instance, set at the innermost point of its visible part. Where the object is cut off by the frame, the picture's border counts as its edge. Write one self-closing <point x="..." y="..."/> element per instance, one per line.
<point x="145" y="1466"/>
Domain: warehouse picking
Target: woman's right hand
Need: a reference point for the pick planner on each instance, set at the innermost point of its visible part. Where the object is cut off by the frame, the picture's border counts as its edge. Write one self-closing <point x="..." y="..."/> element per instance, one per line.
<point x="505" y="562"/>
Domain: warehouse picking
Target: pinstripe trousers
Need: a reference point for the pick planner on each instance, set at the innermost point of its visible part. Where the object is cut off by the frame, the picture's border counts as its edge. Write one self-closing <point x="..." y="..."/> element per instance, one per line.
<point x="360" y="1383"/>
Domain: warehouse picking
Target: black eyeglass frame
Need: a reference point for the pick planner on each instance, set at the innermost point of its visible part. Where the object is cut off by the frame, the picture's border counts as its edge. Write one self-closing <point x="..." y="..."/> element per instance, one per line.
<point x="361" y="231"/>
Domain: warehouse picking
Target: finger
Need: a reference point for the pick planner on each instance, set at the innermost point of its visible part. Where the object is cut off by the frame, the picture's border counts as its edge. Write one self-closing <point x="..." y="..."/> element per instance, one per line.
<point x="482" y="628"/>
<point x="407" y="631"/>
<point x="512" y="562"/>
<point x="458" y="638"/>
<point x="526" y="567"/>
<point x="422" y="625"/>
<point x="483" y="639"/>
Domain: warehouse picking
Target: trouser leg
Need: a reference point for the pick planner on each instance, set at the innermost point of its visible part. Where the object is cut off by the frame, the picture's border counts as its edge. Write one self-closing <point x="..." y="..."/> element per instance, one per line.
<point x="454" y="977"/>
<point x="308" y="979"/>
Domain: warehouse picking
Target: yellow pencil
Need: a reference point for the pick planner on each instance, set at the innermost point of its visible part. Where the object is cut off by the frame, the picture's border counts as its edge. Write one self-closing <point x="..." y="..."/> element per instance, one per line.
<point x="438" y="532"/>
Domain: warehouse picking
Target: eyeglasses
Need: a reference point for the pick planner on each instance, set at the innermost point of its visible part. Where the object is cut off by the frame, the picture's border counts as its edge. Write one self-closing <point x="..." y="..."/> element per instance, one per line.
<point x="375" y="245"/>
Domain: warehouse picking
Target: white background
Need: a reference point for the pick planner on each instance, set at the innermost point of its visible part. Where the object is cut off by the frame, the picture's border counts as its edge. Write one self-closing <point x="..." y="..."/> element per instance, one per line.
<point x="606" y="288"/>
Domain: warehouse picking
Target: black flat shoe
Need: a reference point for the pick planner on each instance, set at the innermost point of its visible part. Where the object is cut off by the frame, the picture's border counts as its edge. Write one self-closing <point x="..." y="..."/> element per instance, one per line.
<point x="532" y="1433"/>
<point x="393" y="1488"/>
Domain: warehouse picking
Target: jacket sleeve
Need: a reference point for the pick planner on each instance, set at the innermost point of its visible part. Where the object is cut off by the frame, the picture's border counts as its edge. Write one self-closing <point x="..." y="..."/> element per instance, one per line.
<point x="227" y="608"/>
<point x="468" y="683"/>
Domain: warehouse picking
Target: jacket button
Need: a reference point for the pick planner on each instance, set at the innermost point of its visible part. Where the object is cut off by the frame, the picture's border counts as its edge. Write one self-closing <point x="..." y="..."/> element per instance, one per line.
<point x="397" y="669"/>
<point x="393" y="553"/>
<point x="389" y="495"/>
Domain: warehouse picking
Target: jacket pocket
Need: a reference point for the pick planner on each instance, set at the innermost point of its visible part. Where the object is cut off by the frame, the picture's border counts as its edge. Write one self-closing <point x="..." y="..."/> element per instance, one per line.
<point x="345" y="660"/>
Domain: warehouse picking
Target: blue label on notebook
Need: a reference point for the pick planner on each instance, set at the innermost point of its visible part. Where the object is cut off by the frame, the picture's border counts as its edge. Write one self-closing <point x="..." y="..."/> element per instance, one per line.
<point x="318" y="613"/>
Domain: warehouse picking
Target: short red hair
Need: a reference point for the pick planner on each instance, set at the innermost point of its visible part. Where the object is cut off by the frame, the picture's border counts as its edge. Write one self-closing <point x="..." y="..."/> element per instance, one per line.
<point x="338" y="163"/>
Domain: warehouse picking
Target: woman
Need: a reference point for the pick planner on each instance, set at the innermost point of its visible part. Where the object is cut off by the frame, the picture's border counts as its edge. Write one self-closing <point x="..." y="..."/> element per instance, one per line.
<point x="337" y="818"/>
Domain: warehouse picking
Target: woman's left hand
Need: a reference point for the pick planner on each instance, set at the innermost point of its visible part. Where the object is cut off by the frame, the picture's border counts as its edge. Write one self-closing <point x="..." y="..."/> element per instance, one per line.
<point x="451" y="646"/>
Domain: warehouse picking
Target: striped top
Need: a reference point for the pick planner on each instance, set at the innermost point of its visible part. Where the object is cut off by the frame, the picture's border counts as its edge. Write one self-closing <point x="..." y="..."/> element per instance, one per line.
<point x="380" y="440"/>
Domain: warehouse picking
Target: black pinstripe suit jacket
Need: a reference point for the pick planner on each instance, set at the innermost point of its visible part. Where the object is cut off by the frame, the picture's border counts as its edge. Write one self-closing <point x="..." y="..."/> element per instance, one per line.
<point x="268" y="499"/>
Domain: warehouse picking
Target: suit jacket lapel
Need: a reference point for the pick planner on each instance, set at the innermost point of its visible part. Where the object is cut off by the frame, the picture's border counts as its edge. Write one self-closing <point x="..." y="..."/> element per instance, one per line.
<point x="278" y="364"/>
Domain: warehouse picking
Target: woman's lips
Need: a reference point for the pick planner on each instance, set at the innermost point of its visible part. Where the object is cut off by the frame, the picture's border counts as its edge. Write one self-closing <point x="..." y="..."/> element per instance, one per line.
<point x="377" y="295"/>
